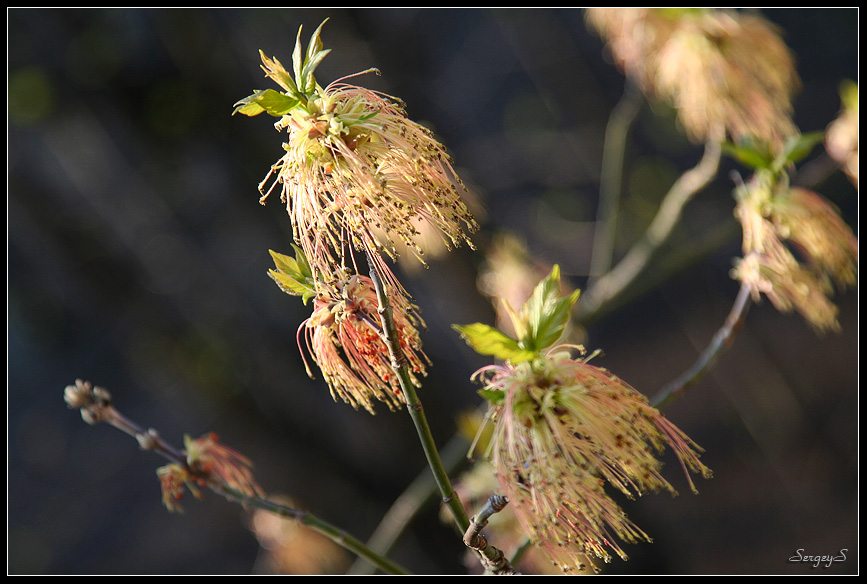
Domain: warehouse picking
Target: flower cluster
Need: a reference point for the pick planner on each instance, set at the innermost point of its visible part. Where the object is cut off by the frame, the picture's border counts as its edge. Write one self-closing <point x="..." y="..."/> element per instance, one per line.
<point x="474" y="487"/>
<point x="208" y="463"/>
<point x="357" y="173"/>
<point x="344" y="333"/>
<point x="357" y="176"/>
<point x="796" y="248"/>
<point x="563" y="429"/>
<point x="344" y="336"/>
<point x="718" y="68"/>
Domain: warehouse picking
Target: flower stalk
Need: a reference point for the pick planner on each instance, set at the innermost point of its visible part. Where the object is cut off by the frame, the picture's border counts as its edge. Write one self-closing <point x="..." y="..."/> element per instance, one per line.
<point x="491" y="557"/>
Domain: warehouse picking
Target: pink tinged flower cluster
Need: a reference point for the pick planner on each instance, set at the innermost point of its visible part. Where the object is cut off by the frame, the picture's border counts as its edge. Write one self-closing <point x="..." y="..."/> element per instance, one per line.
<point x="563" y="430"/>
<point x="344" y="337"/>
<point x="797" y="249"/>
<point x="359" y="174"/>
<point x="718" y="68"/>
<point x="209" y="463"/>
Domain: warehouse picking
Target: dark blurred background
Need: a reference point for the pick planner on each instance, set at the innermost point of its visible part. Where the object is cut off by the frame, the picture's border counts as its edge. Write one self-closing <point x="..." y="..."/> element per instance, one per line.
<point x="138" y="254"/>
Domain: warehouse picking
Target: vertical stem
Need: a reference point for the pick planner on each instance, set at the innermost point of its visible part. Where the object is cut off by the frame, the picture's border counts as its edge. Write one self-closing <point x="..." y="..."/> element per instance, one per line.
<point x="490" y="556"/>
<point x="611" y="178"/>
<point x="413" y="404"/>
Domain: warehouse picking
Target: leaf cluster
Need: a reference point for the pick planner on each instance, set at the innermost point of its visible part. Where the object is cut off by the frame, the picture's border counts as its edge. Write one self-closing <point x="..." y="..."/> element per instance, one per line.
<point x="538" y="325"/>
<point x="298" y="91"/>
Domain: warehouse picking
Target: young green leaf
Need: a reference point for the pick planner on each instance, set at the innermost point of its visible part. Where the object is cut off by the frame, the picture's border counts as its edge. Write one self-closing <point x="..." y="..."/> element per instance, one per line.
<point x="494" y="396"/>
<point x="275" y="70"/>
<point x="546" y="313"/>
<point x="269" y="101"/>
<point x="798" y="147"/>
<point x="305" y="67"/>
<point x="293" y="276"/>
<point x="486" y="340"/>
<point x="749" y="154"/>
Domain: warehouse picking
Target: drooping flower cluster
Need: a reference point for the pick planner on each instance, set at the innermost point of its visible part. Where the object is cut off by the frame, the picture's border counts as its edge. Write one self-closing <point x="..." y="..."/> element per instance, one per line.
<point x="718" y="68"/>
<point x="344" y="334"/>
<point x="796" y="248"/>
<point x="345" y="338"/>
<point x="357" y="174"/>
<point x="563" y="429"/>
<point x="474" y="487"/>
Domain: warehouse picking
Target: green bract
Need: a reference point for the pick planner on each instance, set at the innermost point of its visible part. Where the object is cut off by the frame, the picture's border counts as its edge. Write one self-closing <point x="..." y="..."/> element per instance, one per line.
<point x="486" y="340"/>
<point x="758" y="156"/>
<point x="538" y="325"/>
<point x="294" y="275"/>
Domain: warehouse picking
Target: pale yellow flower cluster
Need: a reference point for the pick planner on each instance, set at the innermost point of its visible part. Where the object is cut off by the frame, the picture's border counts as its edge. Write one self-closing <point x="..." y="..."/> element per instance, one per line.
<point x="796" y="249"/>
<point x="564" y="430"/>
<point x="358" y="174"/>
<point x="722" y="70"/>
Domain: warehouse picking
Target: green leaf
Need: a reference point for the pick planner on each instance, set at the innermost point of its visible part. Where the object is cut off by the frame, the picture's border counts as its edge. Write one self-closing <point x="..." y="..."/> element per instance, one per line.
<point x="297" y="62"/>
<point x="750" y="154"/>
<point x="546" y="313"/>
<point x="486" y="340"/>
<point x="308" y="80"/>
<point x="495" y="396"/>
<point x="274" y="69"/>
<point x="269" y="101"/>
<point x="305" y="67"/>
<point x="293" y="275"/>
<point x="849" y="95"/>
<point x="315" y="45"/>
<point x="797" y="148"/>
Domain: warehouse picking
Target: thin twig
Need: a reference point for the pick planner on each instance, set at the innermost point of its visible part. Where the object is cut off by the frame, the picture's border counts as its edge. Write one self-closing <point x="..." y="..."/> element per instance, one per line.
<point x="611" y="178"/>
<point x="309" y="520"/>
<point x="629" y="268"/>
<point x="721" y="341"/>
<point x="495" y="562"/>
<point x="95" y="406"/>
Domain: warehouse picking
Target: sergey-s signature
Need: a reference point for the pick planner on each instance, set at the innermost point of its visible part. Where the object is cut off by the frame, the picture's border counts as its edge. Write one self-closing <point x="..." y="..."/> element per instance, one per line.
<point x="826" y="561"/>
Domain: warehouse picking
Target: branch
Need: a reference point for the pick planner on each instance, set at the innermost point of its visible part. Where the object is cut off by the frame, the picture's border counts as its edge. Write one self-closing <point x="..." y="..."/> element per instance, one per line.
<point x="629" y="268"/>
<point x="335" y="534"/>
<point x="613" y="151"/>
<point x="495" y="561"/>
<point x="95" y="405"/>
<point x="721" y="341"/>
